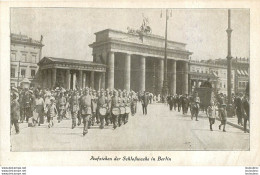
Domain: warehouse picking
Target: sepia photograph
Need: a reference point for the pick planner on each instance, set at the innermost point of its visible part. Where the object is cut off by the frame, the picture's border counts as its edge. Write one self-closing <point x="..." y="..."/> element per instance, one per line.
<point x="129" y="79"/>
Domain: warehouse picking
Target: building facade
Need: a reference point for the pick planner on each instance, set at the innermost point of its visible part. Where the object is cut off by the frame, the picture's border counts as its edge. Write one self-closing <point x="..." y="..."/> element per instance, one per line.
<point x="216" y="70"/>
<point x="25" y="53"/>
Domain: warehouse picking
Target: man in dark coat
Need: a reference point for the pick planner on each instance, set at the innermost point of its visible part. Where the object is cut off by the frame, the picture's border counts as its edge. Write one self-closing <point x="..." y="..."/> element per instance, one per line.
<point x="185" y="104"/>
<point x="246" y="111"/>
<point x="239" y="107"/>
<point x="15" y="113"/>
<point x="145" y="101"/>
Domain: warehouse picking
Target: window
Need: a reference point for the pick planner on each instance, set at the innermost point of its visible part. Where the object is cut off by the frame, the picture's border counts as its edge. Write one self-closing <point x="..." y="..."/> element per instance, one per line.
<point x="24" y="57"/>
<point x="12" y="72"/>
<point x="32" y="73"/>
<point x="13" y="56"/>
<point x="34" y="59"/>
<point x="23" y="72"/>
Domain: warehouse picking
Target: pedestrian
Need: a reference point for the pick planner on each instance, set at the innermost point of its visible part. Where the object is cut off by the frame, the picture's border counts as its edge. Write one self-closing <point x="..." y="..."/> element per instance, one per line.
<point x="145" y="101"/>
<point x="74" y="108"/>
<point x="211" y="113"/>
<point x="170" y="101"/>
<point x="86" y="111"/>
<point x="51" y="112"/>
<point x="239" y="108"/>
<point x="40" y="106"/>
<point x="179" y="99"/>
<point x="61" y="104"/>
<point x="222" y="112"/>
<point x="246" y="111"/>
<point x="195" y="106"/>
<point x="184" y="104"/>
<point x="95" y="115"/>
<point x="15" y="113"/>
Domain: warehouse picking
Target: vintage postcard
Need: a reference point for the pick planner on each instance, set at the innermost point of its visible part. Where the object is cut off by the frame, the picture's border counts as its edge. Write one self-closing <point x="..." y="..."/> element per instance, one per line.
<point x="129" y="85"/>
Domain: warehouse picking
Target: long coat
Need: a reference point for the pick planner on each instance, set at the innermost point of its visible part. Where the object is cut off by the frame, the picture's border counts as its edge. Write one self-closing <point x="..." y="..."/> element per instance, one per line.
<point x="15" y="110"/>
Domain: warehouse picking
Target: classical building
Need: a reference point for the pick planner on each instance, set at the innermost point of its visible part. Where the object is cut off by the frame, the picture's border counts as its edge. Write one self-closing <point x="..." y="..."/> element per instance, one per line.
<point x="216" y="70"/>
<point x="71" y="74"/>
<point x="25" y="53"/>
<point x="136" y="61"/>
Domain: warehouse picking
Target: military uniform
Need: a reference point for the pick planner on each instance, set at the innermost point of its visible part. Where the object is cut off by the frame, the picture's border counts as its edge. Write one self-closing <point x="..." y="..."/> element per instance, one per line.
<point x="101" y="102"/>
<point x="185" y="104"/>
<point x="86" y="112"/>
<point x="114" y="104"/>
<point x="74" y="108"/>
<point x="61" y="105"/>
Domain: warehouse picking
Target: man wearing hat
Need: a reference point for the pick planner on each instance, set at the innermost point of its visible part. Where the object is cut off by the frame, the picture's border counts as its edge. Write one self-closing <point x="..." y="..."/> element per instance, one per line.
<point x="94" y="108"/>
<point x="222" y="111"/>
<point x="239" y="108"/>
<point x="61" y="104"/>
<point x="28" y="102"/>
<point x="85" y="106"/>
<point x="74" y="108"/>
<point x="145" y="102"/>
<point x="114" y="104"/>
<point x="15" y="112"/>
<point x="101" y="103"/>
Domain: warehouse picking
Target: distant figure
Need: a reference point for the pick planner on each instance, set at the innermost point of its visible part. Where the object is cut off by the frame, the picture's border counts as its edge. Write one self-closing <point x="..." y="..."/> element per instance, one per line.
<point x="145" y="101"/>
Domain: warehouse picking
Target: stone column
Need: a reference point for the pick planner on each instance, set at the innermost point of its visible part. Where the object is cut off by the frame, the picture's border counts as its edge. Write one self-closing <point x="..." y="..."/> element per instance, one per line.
<point x="110" y="72"/>
<point x="80" y="79"/>
<point x="53" y="83"/>
<point x="127" y="72"/>
<point x="185" y="78"/>
<point x="84" y="80"/>
<point x="103" y="80"/>
<point x="173" y="77"/>
<point x="142" y="74"/>
<point x="67" y="79"/>
<point x="43" y="79"/>
<point x="49" y="78"/>
<point x="74" y="80"/>
<point x="92" y="79"/>
<point x="161" y="75"/>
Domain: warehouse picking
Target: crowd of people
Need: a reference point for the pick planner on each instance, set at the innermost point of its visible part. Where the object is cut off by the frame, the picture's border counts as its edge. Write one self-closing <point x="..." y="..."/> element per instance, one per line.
<point x="104" y="107"/>
<point x="87" y="106"/>
<point x="217" y="107"/>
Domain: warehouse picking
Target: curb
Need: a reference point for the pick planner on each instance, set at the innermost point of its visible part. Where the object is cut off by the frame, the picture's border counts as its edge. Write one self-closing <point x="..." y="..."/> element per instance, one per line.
<point x="235" y="125"/>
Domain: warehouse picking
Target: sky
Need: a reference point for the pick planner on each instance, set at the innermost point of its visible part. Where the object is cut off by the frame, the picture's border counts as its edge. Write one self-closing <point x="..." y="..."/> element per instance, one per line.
<point x="67" y="32"/>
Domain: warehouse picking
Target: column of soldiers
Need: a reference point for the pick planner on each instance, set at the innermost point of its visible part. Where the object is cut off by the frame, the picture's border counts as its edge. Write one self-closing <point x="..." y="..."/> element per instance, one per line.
<point x="86" y="106"/>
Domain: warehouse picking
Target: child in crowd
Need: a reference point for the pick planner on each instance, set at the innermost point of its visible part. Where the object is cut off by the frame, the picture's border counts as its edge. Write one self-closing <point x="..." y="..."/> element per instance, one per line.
<point x="52" y="112"/>
<point x="211" y="113"/>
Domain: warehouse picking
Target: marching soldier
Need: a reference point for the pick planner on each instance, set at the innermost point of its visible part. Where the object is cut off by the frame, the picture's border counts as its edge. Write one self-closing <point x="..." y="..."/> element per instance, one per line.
<point x="101" y="103"/>
<point x="94" y="108"/>
<point x="108" y="100"/>
<point x="85" y="106"/>
<point x="170" y="101"/>
<point x="134" y="100"/>
<point x="61" y="104"/>
<point x="74" y="108"/>
<point x="179" y="97"/>
<point x="114" y="104"/>
<point x="246" y="111"/>
<point x="126" y="102"/>
<point x="121" y="104"/>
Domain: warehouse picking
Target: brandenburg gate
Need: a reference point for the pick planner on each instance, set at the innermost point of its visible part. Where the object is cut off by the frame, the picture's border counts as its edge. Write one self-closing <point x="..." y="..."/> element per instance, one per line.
<point x="122" y="60"/>
<point x="136" y="61"/>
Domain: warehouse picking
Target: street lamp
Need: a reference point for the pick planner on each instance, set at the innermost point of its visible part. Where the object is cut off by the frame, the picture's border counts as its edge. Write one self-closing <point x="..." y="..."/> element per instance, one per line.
<point x="229" y="58"/>
<point x="165" y="82"/>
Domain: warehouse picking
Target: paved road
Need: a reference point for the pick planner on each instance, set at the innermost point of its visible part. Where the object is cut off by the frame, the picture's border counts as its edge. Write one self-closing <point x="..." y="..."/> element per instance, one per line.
<point x="161" y="129"/>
